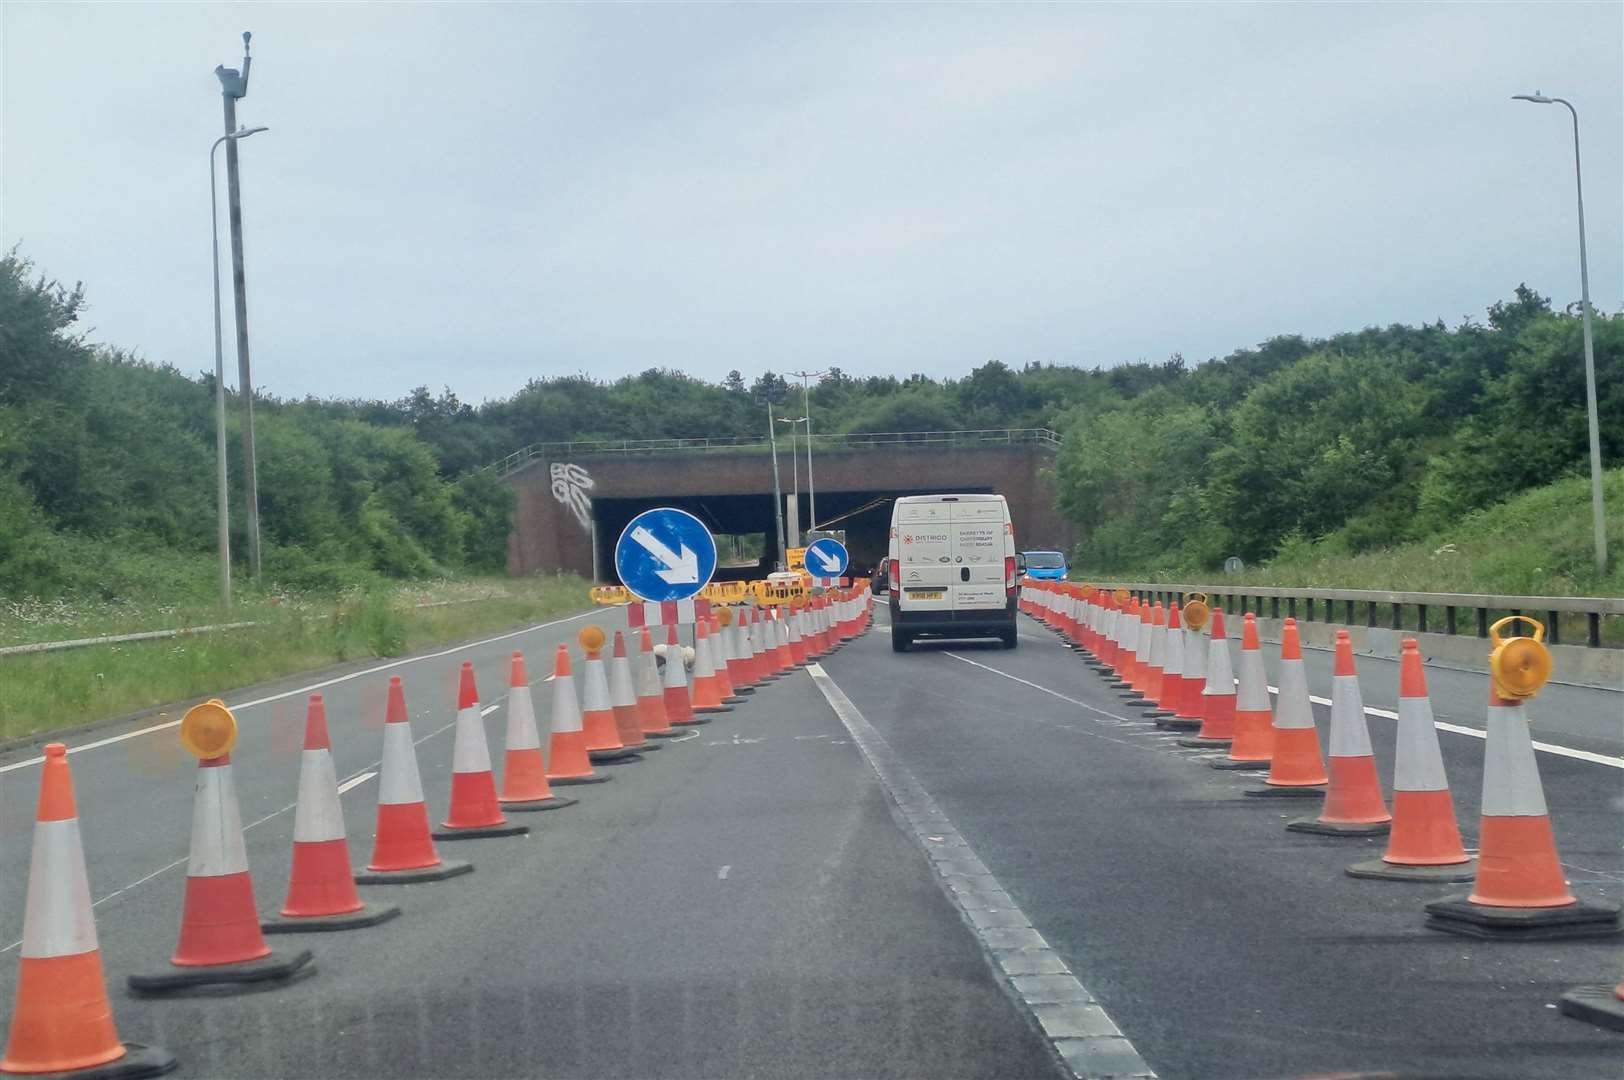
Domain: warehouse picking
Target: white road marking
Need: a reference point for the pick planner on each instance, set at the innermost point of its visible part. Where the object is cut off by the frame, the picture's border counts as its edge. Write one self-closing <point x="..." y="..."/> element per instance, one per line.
<point x="1035" y="686"/>
<point x="355" y="781"/>
<point x="721" y="875"/>
<point x="1074" y="1022"/>
<point x="112" y="739"/>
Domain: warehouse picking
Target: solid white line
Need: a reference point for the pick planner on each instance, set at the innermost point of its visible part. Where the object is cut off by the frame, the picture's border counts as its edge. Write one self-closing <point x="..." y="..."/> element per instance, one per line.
<point x="109" y="741"/>
<point x="355" y="781"/>
<point x="1078" y="1028"/>
<point x="1036" y="686"/>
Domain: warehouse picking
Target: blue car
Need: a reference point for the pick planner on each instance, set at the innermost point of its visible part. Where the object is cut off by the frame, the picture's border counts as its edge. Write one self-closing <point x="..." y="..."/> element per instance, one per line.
<point x="1046" y="565"/>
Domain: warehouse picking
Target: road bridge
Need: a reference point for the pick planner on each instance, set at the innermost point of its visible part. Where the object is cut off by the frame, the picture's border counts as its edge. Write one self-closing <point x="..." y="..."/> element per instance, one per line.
<point x="575" y="498"/>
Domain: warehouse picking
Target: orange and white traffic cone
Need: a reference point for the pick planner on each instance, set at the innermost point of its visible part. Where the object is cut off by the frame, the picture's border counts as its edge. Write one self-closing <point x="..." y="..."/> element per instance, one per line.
<point x="1156" y="655"/>
<point x="1599" y="1005"/>
<point x="706" y="696"/>
<point x="801" y="647"/>
<point x="1128" y="646"/>
<point x="650" y="695"/>
<point x="1218" y="697"/>
<point x="1253" y="747"/>
<point x="402" y="849"/>
<point x="603" y="743"/>
<point x="761" y="646"/>
<point x="1192" y="703"/>
<point x="567" y="760"/>
<point x="718" y="640"/>
<point x="623" y="699"/>
<point x="474" y="810"/>
<point x="1353" y="801"/>
<point x="679" y="703"/>
<point x="321" y="887"/>
<point x="736" y="636"/>
<point x="1519" y="891"/>
<point x="782" y="660"/>
<point x="1297" y="770"/>
<point x="1425" y="842"/>
<point x="1143" y="643"/>
<point x="61" y="1017"/>
<point x="1172" y="690"/>
<point x="220" y="940"/>
<point x="524" y="767"/>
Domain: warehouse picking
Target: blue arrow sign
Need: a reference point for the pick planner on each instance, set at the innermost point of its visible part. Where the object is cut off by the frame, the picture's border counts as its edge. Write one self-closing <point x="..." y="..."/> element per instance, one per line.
<point x="827" y="558"/>
<point x="665" y="554"/>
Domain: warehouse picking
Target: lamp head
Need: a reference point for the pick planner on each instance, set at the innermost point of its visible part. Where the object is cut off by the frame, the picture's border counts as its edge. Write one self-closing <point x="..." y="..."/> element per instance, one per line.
<point x="1536" y="97"/>
<point x="243" y="133"/>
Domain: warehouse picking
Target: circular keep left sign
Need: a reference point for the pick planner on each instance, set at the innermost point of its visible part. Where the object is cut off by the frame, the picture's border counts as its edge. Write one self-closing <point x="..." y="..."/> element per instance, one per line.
<point x="665" y="554"/>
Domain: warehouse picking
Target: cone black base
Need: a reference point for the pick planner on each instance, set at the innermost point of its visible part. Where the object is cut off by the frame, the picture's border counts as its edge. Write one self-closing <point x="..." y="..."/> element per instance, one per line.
<point x="1340" y="828"/>
<point x="1458" y="915"/>
<point x="369" y="915"/>
<point x="645" y="746"/>
<point x="556" y="802"/>
<point x="1599" y="1005"/>
<point x="1285" y="791"/>
<point x="138" y="1061"/>
<point x="1232" y="763"/>
<point x="224" y="978"/>
<point x="742" y="690"/>
<point x="695" y="722"/>
<point x="572" y="781"/>
<point x="445" y="868"/>
<point x="610" y="755"/>
<point x="712" y="710"/>
<point x="1199" y="743"/>
<point x="483" y="831"/>
<point x="735" y="700"/>
<point x="1382" y="870"/>
<point x="661" y="734"/>
<point x="1179" y="723"/>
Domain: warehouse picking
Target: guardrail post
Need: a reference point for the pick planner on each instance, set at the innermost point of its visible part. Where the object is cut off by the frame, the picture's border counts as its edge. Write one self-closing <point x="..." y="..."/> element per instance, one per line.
<point x="1593" y="630"/>
<point x="1449" y="619"/>
<point x="1274" y="606"/>
<point x="1348" y="612"/>
<point x="1482" y="622"/>
<point x="1553" y="628"/>
<point x="1420" y="618"/>
<point x="1291" y="606"/>
<point x="1308" y="603"/>
<point x="1398" y="615"/>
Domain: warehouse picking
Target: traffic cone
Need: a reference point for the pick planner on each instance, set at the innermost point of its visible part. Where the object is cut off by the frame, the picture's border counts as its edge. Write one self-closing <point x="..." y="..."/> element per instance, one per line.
<point x="679" y="704"/>
<point x="1127" y="645"/>
<point x="1353" y="801"/>
<point x="1519" y="891"/>
<point x="1253" y="747"/>
<point x="524" y="767"/>
<point x="719" y="640"/>
<point x="474" y="810"/>
<point x="781" y="659"/>
<point x="736" y="636"/>
<point x="402" y="849"/>
<point x="1172" y="690"/>
<point x="603" y="743"/>
<point x="220" y="939"/>
<point x="801" y="648"/>
<point x="1599" y="1005"/>
<point x="623" y="699"/>
<point x="1142" y="646"/>
<point x="1156" y="655"/>
<point x="567" y="759"/>
<point x="650" y="695"/>
<point x="1218" y="697"/>
<point x="61" y="1018"/>
<point x="761" y="644"/>
<point x="1425" y="842"/>
<point x="1297" y="770"/>
<point x="706" y="697"/>
<point x="321" y="887"/>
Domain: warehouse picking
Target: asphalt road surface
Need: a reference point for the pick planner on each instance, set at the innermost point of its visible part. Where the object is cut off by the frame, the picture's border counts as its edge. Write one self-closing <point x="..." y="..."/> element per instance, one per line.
<point x="753" y="901"/>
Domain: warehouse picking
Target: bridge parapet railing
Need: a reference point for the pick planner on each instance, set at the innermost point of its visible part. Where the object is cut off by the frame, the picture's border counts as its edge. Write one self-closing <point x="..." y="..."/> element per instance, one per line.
<point x="1599" y="619"/>
<point x="553" y="451"/>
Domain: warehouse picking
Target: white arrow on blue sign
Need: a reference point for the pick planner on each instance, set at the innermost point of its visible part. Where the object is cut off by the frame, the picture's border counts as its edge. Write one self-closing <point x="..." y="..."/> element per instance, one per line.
<point x="827" y="558"/>
<point x="665" y="554"/>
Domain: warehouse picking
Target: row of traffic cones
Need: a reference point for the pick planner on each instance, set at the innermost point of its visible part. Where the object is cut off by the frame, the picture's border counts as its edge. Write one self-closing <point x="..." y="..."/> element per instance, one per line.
<point x="62" y="1020"/>
<point x="1518" y="887"/>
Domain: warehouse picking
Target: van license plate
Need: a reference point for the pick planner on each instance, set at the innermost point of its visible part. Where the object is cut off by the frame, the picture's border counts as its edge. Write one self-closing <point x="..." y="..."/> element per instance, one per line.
<point x="925" y="594"/>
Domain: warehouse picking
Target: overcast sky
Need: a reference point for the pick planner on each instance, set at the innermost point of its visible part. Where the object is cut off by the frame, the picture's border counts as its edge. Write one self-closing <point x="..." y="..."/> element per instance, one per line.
<point x="475" y="195"/>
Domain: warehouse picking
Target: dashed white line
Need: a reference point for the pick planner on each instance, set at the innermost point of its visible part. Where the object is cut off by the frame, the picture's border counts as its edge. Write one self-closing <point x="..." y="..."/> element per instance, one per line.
<point x="721" y="875"/>
<point x="355" y="781"/>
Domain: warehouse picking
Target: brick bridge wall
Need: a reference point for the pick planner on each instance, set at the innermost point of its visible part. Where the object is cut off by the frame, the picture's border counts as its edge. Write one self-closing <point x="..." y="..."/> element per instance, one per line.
<point x="555" y="518"/>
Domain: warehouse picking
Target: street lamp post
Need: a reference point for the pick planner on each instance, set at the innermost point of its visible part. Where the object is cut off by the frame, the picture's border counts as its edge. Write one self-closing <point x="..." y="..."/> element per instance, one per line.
<point x="778" y="493"/>
<point x="222" y="507"/>
<point x="795" y="480"/>
<point x="1598" y="516"/>
<point x="806" y="407"/>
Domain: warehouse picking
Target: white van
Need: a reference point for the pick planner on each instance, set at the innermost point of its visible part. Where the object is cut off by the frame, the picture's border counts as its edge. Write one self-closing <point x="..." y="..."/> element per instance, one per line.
<point x="952" y="568"/>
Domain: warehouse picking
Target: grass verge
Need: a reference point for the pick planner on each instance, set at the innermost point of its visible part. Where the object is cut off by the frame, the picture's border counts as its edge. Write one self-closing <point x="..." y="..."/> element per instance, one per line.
<point x="51" y="691"/>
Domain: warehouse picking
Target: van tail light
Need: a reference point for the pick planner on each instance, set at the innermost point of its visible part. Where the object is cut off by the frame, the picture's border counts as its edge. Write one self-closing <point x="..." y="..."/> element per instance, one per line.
<point x="1009" y="573"/>
<point x="895" y="571"/>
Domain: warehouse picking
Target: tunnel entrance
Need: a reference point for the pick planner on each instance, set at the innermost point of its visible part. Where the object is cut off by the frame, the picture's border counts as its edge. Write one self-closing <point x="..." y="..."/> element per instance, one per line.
<point x="864" y="515"/>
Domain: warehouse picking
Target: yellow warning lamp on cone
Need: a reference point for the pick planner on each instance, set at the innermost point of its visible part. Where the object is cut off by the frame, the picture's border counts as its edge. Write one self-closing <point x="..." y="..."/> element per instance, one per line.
<point x="1122" y="596"/>
<point x="1196" y="610"/>
<point x="591" y="639"/>
<point x="724" y="616"/>
<point x="208" y="730"/>
<point x="1519" y="666"/>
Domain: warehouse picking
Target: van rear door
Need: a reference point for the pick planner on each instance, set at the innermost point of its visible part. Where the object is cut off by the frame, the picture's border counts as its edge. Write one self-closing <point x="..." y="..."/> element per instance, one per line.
<point x="925" y="555"/>
<point x="977" y="527"/>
